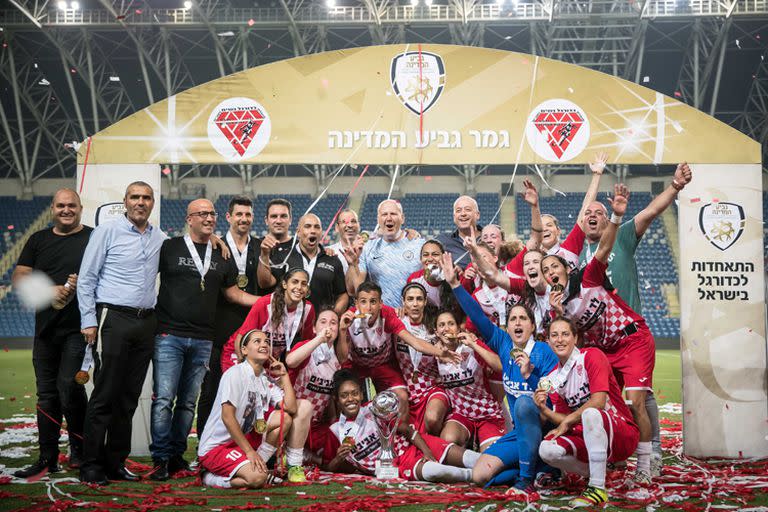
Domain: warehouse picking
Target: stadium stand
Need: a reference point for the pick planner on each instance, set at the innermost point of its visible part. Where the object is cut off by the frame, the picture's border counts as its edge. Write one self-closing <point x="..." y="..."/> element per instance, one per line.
<point x="428" y="213"/>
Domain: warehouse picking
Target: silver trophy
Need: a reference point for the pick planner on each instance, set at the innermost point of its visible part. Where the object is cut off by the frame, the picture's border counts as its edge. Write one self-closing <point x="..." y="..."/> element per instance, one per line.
<point x="386" y="409"/>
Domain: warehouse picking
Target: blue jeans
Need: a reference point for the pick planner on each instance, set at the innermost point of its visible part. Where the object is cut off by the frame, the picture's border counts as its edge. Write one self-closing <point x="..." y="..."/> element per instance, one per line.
<point x="179" y="366"/>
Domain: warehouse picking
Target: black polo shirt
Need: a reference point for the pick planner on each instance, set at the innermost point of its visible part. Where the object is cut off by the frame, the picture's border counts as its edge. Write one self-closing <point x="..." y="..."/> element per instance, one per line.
<point x="327" y="281"/>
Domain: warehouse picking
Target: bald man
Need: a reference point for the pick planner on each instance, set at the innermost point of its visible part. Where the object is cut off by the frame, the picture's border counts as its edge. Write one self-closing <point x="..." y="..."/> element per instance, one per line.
<point x="326" y="274"/>
<point x="192" y="275"/>
<point x="58" y="347"/>
<point x="466" y="217"/>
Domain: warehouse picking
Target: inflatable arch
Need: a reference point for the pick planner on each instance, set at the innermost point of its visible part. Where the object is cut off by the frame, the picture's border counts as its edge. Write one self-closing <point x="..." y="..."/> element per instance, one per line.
<point x="440" y="105"/>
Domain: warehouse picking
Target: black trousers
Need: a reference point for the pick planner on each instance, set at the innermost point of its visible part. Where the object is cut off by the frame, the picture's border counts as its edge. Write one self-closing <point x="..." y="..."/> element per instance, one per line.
<point x="56" y="359"/>
<point x="208" y="390"/>
<point x="127" y="344"/>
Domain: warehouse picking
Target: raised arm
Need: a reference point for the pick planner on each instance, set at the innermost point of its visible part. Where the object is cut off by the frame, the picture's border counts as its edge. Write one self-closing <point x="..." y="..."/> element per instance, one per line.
<point x="491" y="358"/>
<point x="608" y="238"/>
<point x="355" y="276"/>
<point x="490" y="272"/>
<point x="661" y="202"/>
<point x="531" y="196"/>
<point x="597" y="166"/>
<point x="264" y="276"/>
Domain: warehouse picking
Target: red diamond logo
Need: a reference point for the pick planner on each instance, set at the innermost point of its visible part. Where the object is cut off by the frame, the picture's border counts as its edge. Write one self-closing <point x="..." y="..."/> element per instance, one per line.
<point x="240" y="126"/>
<point x="559" y="128"/>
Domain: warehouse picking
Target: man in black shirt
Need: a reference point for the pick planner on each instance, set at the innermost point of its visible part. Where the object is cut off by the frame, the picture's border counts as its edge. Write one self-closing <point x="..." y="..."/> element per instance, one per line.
<point x="274" y="248"/>
<point x="58" y="349"/>
<point x="192" y="275"/>
<point x="326" y="275"/>
<point x="230" y="316"/>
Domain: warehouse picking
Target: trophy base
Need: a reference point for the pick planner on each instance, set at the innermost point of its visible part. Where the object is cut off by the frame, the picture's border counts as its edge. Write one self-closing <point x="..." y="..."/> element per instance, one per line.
<point x="386" y="472"/>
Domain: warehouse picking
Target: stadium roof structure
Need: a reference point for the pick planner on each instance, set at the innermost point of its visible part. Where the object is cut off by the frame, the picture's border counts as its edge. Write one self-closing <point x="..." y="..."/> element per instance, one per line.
<point x="69" y="69"/>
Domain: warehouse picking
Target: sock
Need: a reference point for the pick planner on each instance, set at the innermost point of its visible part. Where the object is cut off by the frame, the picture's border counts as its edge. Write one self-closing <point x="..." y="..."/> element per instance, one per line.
<point x="266" y="451"/>
<point x="469" y="459"/>
<point x="436" y="472"/>
<point x="597" y="446"/>
<point x="211" y="480"/>
<point x="294" y="456"/>
<point x="644" y="456"/>
<point x="652" y="408"/>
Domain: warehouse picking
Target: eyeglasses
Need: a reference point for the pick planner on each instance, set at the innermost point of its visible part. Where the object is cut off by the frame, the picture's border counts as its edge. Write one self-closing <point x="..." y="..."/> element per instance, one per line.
<point x="203" y="215"/>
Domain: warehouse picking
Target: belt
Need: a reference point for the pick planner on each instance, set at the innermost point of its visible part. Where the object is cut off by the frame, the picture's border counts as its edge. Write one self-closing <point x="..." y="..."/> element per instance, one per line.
<point x="630" y="329"/>
<point x="136" y="312"/>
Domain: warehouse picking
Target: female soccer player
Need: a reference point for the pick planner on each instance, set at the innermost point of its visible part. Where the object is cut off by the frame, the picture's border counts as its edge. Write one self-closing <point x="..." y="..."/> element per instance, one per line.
<point x="594" y="425"/>
<point x="284" y="315"/>
<point x="524" y="361"/>
<point x="475" y="413"/>
<point x="354" y="446"/>
<point x="243" y="429"/>
<point x="311" y="364"/>
<point x="427" y="401"/>
<point x="609" y="324"/>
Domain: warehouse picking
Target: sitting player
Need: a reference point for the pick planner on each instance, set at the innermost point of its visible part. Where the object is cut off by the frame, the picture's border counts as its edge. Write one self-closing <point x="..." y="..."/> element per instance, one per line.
<point x="594" y="425"/>
<point x="427" y="401"/>
<point x="370" y="341"/>
<point x="312" y="364"/>
<point x="475" y="412"/>
<point x="242" y="431"/>
<point x="354" y="445"/>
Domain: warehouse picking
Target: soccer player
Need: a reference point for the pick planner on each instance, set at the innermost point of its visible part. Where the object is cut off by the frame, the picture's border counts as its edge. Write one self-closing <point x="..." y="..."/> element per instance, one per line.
<point x="475" y="413"/>
<point x="594" y="426"/>
<point x="244" y="428"/>
<point x="284" y="315"/>
<point x="354" y="445"/>
<point x="609" y="324"/>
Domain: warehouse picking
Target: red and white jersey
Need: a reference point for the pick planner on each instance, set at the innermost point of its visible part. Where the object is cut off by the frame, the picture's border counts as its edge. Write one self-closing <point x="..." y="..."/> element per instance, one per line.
<point x="587" y="371"/>
<point x="367" y="443"/>
<point x="433" y="292"/>
<point x="371" y="346"/>
<point x="419" y="370"/>
<point x="601" y="314"/>
<point x="313" y="379"/>
<point x="494" y="301"/>
<point x="297" y="322"/>
<point x="571" y="247"/>
<point x="467" y="387"/>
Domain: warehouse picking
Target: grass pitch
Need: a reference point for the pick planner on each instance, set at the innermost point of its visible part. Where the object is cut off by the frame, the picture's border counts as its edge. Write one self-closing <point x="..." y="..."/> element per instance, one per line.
<point x="686" y="486"/>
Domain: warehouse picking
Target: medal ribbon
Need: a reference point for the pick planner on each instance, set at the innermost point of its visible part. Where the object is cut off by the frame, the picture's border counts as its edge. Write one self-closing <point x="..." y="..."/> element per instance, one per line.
<point x="561" y="376"/>
<point x="322" y="353"/>
<point x="496" y="297"/>
<point x="239" y="257"/>
<point x="202" y="267"/>
<point x="415" y="354"/>
<point x="293" y="328"/>
<point x="87" y="359"/>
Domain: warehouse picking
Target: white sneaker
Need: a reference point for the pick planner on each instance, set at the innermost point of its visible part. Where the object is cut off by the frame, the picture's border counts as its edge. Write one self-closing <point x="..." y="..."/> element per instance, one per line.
<point x="656" y="464"/>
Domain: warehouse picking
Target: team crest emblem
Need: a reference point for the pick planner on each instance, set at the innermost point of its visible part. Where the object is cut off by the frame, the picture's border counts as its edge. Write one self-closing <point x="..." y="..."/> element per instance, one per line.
<point x="557" y="130"/>
<point x="722" y="223"/>
<point x="239" y="128"/>
<point x="109" y="211"/>
<point x="418" y="79"/>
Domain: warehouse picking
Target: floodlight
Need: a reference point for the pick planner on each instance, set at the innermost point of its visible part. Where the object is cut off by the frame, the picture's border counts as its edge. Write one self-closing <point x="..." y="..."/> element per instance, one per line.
<point x="187" y="4"/>
<point x="75" y="5"/>
<point x="62" y="5"/>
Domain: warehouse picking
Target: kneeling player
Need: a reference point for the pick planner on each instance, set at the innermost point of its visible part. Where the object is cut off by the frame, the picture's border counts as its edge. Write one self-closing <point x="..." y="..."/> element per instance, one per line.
<point x="594" y="425"/>
<point x="354" y="446"/>
<point x="241" y="433"/>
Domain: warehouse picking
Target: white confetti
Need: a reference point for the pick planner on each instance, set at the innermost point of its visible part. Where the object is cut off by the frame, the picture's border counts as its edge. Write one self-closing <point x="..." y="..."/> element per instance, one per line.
<point x="646" y="79"/>
<point x="570" y="90"/>
<point x="738" y="44"/>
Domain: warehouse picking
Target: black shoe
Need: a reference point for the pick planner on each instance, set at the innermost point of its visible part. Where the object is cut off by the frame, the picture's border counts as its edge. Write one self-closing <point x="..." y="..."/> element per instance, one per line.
<point x="43" y="463"/>
<point x="160" y="471"/>
<point x="177" y="463"/>
<point x="122" y="474"/>
<point x="91" y="476"/>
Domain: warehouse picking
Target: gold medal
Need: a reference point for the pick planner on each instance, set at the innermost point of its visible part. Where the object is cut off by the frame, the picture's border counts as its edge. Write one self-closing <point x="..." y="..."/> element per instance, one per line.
<point x="242" y="281"/>
<point x="545" y="384"/>
<point x="261" y="426"/>
<point x="349" y="441"/>
<point x="415" y="377"/>
<point x="202" y="284"/>
<point x="82" y="377"/>
<point x="557" y="287"/>
<point x="516" y="352"/>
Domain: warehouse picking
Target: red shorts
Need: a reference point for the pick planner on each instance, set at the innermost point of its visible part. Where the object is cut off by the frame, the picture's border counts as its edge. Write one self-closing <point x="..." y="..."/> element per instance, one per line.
<point x="635" y="359"/>
<point x="406" y="462"/>
<point x="622" y="439"/>
<point x="228" y="356"/>
<point x="418" y="412"/>
<point x="385" y="376"/>
<point x="226" y="459"/>
<point x="318" y="436"/>
<point x="485" y="430"/>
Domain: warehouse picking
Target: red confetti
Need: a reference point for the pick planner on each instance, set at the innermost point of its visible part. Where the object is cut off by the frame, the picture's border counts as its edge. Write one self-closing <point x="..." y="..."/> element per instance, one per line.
<point x="695" y="200"/>
<point x="166" y="171"/>
<point x="251" y="23"/>
<point x="678" y="94"/>
<point x="427" y="178"/>
<point x="10" y="226"/>
<point x="715" y="200"/>
<point x="72" y="70"/>
<point x="138" y="11"/>
<point x="12" y="399"/>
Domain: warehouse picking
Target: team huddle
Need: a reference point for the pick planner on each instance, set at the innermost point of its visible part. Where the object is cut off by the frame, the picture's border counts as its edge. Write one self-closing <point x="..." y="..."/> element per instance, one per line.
<point x="512" y="361"/>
